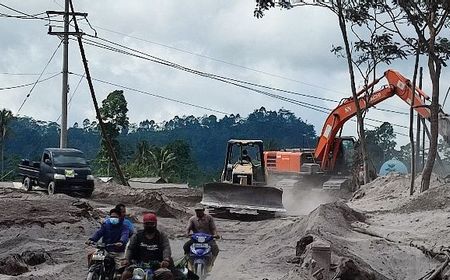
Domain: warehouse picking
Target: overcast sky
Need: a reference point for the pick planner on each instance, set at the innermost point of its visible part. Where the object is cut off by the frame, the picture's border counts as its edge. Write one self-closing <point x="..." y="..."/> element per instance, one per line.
<point x="289" y="49"/>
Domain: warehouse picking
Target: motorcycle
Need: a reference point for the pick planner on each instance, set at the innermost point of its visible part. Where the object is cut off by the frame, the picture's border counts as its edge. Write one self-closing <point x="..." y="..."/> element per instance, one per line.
<point x="102" y="266"/>
<point x="148" y="271"/>
<point x="145" y="271"/>
<point x="200" y="256"/>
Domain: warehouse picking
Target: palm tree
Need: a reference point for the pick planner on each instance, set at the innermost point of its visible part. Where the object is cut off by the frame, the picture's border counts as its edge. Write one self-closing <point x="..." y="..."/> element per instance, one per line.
<point x="163" y="162"/>
<point x="5" y="117"/>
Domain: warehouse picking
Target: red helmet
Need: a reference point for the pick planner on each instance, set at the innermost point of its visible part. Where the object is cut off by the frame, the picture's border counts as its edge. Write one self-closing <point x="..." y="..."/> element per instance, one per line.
<point x="149" y="218"/>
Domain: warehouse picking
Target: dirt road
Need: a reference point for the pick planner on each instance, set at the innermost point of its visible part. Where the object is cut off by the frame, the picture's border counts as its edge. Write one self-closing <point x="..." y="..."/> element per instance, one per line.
<point x="42" y="237"/>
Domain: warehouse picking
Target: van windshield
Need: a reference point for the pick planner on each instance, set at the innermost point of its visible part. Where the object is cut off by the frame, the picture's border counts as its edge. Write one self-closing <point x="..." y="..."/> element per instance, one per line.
<point x="74" y="159"/>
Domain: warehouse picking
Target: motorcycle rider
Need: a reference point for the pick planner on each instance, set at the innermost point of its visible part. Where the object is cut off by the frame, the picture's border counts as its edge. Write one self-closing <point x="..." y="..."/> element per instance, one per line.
<point x="204" y="223"/>
<point x="123" y="213"/>
<point x="112" y="232"/>
<point x="148" y="245"/>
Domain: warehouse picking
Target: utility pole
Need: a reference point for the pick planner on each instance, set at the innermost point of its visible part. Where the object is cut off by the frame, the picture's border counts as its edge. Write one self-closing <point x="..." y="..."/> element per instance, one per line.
<point x="65" y="74"/>
<point x="65" y="67"/>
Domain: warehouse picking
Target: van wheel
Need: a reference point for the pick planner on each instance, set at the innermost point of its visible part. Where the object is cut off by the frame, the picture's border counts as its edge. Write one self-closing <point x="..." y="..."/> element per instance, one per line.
<point x="27" y="185"/>
<point x="51" y="188"/>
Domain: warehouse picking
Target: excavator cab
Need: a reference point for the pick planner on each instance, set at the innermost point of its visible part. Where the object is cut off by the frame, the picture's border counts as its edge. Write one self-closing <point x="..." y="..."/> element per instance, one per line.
<point x="345" y="155"/>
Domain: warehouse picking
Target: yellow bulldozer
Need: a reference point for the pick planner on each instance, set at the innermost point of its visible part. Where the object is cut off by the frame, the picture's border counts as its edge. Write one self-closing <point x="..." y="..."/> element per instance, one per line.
<point x="243" y="185"/>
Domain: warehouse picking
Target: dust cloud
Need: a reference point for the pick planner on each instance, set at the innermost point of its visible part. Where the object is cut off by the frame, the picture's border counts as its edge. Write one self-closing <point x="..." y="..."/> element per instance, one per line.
<point x="301" y="197"/>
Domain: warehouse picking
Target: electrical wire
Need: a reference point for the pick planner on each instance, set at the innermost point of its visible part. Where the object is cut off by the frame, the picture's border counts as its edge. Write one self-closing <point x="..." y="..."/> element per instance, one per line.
<point x="29" y="84"/>
<point x="73" y="94"/>
<point x="243" y="67"/>
<point x="26" y="74"/>
<point x="216" y="77"/>
<point x="216" y="59"/>
<point x="223" y="79"/>
<point x="208" y="75"/>
<point x="155" y="95"/>
<point x="22" y="13"/>
<point x="226" y="80"/>
<point x="43" y="70"/>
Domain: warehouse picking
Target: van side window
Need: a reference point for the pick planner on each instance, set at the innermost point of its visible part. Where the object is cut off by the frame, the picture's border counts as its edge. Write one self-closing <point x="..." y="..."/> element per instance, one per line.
<point x="45" y="157"/>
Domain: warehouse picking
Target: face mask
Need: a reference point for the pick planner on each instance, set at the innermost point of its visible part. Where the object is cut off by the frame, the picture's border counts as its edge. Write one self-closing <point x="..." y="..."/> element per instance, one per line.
<point x="114" y="221"/>
<point x="149" y="229"/>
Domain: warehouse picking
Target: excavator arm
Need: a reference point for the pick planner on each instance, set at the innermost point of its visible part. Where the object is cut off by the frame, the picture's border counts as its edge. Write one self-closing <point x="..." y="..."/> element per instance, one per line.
<point x="397" y="85"/>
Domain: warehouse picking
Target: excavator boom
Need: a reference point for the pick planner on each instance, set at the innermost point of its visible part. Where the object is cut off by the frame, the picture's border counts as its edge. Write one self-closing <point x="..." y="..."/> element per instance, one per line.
<point x="329" y="158"/>
<point x="397" y="85"/>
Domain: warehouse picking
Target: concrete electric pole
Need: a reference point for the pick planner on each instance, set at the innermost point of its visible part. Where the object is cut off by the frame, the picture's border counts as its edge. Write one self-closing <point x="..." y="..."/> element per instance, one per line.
<point x="65" y="67"/>
<point x="65" y="74"/>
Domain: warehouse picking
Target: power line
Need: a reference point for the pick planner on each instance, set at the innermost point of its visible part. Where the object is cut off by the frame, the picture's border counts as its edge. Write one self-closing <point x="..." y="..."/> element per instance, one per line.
<point x="73" y="94"/>
<point x="29" y="84"/>
<point x="156" y="95"/>
<point x="220" y="78"/>
<point x="217" y="77"/>
<point x="204" y="74"/>
<point x="26" y="74"/>
<point x="244" y="67"/>
<point x="217" y="60"/>
<point x="43" y="70"/>
<point x="22" y="13"/>
<point x="207" y="75"/>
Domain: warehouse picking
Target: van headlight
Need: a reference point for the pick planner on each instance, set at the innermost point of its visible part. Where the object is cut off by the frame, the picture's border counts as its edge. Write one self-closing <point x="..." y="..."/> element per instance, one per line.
<point x="59" y="177"/>
<point x="90" y="177"/>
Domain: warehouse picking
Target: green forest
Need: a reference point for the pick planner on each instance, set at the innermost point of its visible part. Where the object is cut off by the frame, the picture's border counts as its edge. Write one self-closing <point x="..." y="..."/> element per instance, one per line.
<point x="184" y="149"/>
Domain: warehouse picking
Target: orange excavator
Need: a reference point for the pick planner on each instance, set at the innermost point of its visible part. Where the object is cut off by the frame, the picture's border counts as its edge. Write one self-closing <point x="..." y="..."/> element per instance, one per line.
<point x="331" y="162"/>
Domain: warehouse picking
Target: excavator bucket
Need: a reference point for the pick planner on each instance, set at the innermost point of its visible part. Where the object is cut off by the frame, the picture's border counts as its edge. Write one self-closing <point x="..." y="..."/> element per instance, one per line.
<point x="243" y="199"/>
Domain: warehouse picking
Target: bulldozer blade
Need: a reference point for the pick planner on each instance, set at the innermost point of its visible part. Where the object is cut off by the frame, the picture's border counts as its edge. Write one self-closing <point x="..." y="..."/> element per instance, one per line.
<point x="240" y="198"/>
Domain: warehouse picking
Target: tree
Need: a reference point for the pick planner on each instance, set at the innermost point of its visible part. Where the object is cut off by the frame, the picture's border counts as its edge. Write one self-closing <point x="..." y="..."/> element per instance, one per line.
<point x="86" y="124"/>
<point x="114" y="115"/>
<point x="430" y="17"/>
<point x="347" y="12"/>
<point x="5" y="118"/>
<point x="163" y="161"/>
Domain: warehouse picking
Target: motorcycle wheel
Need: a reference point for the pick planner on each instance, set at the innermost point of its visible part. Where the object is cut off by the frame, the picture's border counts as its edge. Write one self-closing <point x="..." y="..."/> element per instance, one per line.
<point x="199" y="269"/>
<point x="94" y="275"/>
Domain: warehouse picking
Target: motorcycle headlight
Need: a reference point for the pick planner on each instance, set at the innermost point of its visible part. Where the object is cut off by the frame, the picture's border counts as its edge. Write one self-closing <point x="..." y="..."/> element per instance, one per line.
<point x="90" y="177"/>
<point x="98" y="257"/>
<point x="138" y="274"/>
<point x="59" y="177"/>
<point x="185" y="272"/>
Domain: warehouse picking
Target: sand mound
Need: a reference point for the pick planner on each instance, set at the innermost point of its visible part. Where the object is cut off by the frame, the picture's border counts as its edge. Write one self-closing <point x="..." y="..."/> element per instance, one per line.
<point x="171" y="203"/>
<point x="39" y="232"/>
<point x="36" y="208"/>
<point x="356" y="252"/>
<point x="16" y="264"/>
<point x="391" y="192"/>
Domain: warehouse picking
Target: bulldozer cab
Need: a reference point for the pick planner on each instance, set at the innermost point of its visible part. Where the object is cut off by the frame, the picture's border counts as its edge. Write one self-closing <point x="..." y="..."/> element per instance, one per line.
<point x="244" y="163"/>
